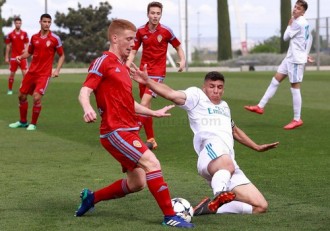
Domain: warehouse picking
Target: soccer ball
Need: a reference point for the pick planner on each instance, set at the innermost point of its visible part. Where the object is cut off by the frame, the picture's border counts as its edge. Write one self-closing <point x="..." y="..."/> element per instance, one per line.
<point x="182" y="208"/>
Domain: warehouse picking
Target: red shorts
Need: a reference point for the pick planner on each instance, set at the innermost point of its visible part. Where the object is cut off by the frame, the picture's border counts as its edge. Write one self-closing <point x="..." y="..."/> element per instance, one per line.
<point x="13" y="65"/>
<point x="145" y="90"/>
<point x="126" y="147"/>
<point x="34" y="83"/>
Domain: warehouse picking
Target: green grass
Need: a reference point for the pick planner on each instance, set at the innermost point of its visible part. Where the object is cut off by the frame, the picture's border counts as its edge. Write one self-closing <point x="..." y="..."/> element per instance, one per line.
<point x="43" y="172"/>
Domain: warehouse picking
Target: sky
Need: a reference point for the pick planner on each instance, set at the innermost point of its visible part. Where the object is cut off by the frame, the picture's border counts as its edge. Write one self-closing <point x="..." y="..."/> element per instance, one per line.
<point x="255" y="19"/>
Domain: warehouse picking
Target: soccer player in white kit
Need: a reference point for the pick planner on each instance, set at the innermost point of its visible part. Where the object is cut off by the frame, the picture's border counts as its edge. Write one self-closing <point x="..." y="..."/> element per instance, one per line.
<point x="293" y="64"/>
<point x="214" y="134"/>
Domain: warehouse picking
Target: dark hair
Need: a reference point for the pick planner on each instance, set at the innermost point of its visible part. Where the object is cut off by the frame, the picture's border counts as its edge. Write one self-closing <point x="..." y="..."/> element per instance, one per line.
<point x="155" y="4"/>
<point x="17" y="19"/>
<point x="302" y="3"/>
<point x="214" y="76"/>
<point x="45" y="16"/>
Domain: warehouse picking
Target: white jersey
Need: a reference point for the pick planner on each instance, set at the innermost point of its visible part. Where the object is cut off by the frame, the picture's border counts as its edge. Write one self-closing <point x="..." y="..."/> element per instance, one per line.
<point x="207" y="120"/>
<point x="300" y="40"/>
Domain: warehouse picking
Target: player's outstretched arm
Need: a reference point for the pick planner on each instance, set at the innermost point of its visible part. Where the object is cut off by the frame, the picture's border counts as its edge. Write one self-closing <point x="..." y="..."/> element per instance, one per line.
<point x="244" y="139"/>
<point x="177" y="97"/>
<point x="163" y="112"/>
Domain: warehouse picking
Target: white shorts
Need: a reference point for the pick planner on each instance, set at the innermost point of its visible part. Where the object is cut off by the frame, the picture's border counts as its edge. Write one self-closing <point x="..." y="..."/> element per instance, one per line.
<point x="295" y="71"/>
<point x="212" y="150"/>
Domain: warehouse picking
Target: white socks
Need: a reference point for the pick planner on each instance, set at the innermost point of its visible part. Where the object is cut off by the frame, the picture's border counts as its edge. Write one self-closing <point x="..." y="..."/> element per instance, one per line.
<point x="220" y="180"/>
<point x="297" y="102"/>
<point x="236" y="207"/>
<point x="270" y="92"/>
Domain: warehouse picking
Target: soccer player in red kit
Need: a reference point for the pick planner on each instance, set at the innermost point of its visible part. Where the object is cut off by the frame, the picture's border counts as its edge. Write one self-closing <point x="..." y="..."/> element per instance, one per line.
<point x="154" y="38"/>
<point x="16" y="42"/>
<point x="42" y="47"/>
<point x="108" y="78"/>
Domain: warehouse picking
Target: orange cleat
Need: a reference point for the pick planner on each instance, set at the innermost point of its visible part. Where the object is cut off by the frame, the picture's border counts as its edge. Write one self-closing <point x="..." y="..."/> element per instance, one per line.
<point x="293" y="124"/>
<point x="220" y="199"/>
<point x="255" y="109"/>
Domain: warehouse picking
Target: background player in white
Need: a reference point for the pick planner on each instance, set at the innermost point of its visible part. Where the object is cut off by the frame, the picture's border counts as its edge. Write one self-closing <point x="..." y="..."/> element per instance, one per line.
<point x="214" y="134"/>
<point x="293" y="64"/>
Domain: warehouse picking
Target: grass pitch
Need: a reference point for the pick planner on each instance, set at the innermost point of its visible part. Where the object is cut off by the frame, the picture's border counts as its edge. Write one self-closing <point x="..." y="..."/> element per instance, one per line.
<point x="42" y="172"/>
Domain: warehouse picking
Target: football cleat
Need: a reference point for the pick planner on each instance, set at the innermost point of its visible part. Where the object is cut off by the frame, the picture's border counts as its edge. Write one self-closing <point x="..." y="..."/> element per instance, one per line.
<point x="9" y="92"/>
<point x="153" y="142"/>
<point x="18" y="124"/>
<point x="202" y="208"/>
<point x="87" y="202"/>
<point x="31" y="127"/>
<point x="220" y="199"/>
<point x="176" y="221"/>
<point x="293" y="124"/>
<point x="255" y="109"/>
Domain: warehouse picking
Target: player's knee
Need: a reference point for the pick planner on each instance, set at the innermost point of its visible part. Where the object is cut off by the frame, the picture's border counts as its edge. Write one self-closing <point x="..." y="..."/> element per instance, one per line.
<point x="22" y="98"/>
<point x="138" y="185"/>
<point x="149" y="162"/>
<point x="261" y="208"/>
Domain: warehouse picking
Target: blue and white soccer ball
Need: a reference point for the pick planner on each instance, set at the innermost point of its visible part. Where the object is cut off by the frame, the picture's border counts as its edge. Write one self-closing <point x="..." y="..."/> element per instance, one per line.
<point x="182" y="208"/>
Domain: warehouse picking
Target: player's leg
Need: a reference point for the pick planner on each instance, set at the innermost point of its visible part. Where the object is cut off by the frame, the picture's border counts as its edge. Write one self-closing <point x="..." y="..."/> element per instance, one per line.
<point x="217" y="167"/>
<point x="147" y="121"/>
<point x="36" y="109"/>
<point x="39" y="90"/>
<point x="23" y="105"/>
<point x="124" y="148"/>
<point x="250" y="195"/>
<point x="160" y="191"/>
<point x="281" y="74"/>
<point x="24" y="66"/>
<point x="10" y="83"/>
<point x="13" y="65"/>
<point x="134" y="182"/>
<point x="296" y="74"/>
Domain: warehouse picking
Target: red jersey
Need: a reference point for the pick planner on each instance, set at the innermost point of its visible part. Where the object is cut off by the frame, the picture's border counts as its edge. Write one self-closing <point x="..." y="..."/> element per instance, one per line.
<point x="154" y="47"/>
<point x="17" y="40"/>
<point x="43" y="50"/>
<point x="112" y="85"/>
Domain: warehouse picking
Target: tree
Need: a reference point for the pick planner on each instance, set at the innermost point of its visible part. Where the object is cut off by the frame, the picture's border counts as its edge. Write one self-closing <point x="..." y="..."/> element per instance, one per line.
<point x="224" y="37"/>
<point x="270" y="45"/>
<point x="3" y="23"/>
<point x="285" y="17"/>
<point x="85" y="31"/>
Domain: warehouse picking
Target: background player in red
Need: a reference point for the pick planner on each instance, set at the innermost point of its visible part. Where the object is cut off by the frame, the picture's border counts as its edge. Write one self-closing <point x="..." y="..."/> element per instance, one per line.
<point x="154" y="38"/>
<point x="42" y="47"/>
<point x="16" y="41"/>
<point x="108" y="78"/>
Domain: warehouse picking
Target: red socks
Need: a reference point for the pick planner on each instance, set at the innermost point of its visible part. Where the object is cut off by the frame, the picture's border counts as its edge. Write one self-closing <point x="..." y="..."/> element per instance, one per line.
<point x="23" y="108"/>
<point x="35" y="113"/>
<point x="160" y="191"/>
<point x="115" y="190"/>
<point x="147" y="123"/>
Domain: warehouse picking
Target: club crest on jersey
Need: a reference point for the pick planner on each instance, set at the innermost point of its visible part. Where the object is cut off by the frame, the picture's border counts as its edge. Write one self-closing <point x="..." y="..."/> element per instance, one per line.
<point x="117" y="69"/>
<point x="48" y="43"/>
<point x="22" y="37"/>
<point x="159" y="38"/>
<point x="137" y="144"/>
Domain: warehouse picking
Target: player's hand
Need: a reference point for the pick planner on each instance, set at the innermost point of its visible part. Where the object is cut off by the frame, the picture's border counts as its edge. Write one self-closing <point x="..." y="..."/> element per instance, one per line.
<point x="90" y="116"/>
<point x="55" y="73"/>
<point x="18" y="59"/>
<point x="181" y="65"/>
<point x="266" y="147"/>
<point x="163" y="112"/>
<point x="310" y="59"/>
<point x="138" y="75"/>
